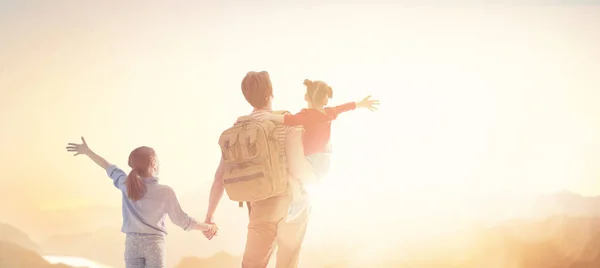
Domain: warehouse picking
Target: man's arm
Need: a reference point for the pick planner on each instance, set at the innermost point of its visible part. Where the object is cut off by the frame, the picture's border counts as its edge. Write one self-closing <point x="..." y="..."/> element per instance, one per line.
<point x="216" y="193"/>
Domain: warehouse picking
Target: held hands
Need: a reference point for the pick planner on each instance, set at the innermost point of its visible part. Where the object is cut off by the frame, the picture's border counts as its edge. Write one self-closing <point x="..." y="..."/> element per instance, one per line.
<point x="212" y="230"/>
<point x="79" y="148"/>
<point x="368" y="103"/>
<point x="210" y="233"/>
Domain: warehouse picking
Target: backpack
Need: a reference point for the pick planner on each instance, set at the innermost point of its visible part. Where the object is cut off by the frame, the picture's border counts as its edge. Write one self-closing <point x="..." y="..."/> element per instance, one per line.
<point x="255" y="167"/>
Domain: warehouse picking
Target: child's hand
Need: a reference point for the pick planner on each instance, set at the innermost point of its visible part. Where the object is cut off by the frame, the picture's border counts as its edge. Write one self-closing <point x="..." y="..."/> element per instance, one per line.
<point x="79" y="148"/>
<point x="214" y="230"/>
<point x="367" y="103"/>
<point x="208" y="229"/>
<point x="267" y="117"/>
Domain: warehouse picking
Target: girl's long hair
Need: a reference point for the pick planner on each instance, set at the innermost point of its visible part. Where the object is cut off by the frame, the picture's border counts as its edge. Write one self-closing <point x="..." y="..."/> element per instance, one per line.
<point x="141" y="160"/>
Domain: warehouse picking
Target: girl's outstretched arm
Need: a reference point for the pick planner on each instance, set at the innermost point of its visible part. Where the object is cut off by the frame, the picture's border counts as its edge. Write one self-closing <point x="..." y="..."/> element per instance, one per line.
<point x="287" y="119"/>
<point x="333" y="112"/>
<point x="116" y="174"/>
<point x="368" y="103"/>
<point x="85" y="150"/>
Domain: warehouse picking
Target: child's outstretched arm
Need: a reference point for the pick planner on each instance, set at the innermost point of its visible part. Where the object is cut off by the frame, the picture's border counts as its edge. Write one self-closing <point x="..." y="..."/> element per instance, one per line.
<point x="279" y="118"/>
<point x="333" y="112"/>
<point x="368" y="103"/>
<point x="116" y="174"/>
<point x="85" y="150"/>
<point x="298" y="119"/>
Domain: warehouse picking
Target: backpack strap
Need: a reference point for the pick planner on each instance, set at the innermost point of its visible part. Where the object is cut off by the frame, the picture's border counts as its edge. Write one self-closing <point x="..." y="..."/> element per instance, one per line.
<point x="241" y="205"/>
<point x="240" y="120"/>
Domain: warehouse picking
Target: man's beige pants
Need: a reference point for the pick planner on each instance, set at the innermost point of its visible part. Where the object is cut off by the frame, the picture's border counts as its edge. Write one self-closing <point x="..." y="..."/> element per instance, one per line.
<point x="268" y="229"/>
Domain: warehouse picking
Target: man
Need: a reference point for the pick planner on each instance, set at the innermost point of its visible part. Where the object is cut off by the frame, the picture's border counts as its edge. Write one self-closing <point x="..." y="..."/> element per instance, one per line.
<point x="268" y="226"/>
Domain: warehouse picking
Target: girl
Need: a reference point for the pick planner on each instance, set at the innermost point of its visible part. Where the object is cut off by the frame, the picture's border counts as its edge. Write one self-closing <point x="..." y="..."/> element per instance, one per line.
<point x="316" y="120"/>
<point x="145" y="205"/>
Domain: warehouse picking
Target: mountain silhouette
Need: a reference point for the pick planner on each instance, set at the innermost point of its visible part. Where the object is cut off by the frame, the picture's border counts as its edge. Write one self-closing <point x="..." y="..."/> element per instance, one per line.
<point x="10" y="234"/>
<point x="221" y="260"/>
<point x="105" y="245"/>
<point x="567" y="204"/>
<point x="78" y="220"/>
<point x="15" y="256"/>
<point x="550" y="230"/>
<point x="556" y="242"/>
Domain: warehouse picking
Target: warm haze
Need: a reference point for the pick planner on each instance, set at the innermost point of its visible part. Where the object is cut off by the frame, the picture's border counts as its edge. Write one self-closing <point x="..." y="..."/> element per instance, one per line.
<point x="476" y="102"/>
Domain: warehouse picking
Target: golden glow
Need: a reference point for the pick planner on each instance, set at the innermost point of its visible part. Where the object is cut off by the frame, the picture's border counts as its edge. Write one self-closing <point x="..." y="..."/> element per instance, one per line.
<point x="474" y="102"/>
<point x="74" y="261"/>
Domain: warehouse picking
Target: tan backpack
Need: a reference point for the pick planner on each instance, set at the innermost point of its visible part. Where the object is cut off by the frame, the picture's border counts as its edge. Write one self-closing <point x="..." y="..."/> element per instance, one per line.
<point x="255" y="166"/>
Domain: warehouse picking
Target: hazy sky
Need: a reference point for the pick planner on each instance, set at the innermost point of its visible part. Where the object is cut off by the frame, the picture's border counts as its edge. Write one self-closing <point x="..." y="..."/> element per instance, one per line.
<point x="474" y="99"/>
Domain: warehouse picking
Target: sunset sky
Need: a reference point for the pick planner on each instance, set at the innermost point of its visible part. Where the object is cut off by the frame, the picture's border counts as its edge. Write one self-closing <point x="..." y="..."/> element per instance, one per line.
<point x="474" y="100"/>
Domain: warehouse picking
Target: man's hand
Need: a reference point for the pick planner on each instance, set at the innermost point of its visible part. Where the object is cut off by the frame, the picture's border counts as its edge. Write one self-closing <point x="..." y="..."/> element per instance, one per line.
<point x="368" y="103"/>
<point x="209" y="234"/>
<point x="213" y="231"/>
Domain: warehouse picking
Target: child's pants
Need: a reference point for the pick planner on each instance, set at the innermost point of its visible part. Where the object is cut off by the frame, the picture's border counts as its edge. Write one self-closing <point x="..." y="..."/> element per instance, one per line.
<point x="145" y="251"/>
<point x="320" y="164"/>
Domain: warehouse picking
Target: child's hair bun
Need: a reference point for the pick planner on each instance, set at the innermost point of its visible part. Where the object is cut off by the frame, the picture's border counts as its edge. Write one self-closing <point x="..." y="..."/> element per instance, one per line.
<point x="307" y="82"/>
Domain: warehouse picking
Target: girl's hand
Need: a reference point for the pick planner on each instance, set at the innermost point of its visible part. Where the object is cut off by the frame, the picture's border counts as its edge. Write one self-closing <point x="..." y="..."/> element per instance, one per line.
<point x="267" y="117"/>
<point x="79" y="148"/>
<point x="367" y="103"/>
<point x="210" y="233"/>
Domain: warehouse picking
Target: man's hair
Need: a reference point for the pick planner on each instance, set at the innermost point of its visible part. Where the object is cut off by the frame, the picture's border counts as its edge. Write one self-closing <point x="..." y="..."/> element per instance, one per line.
<point x="317" y="90"/>
<point x="257" y="88"/>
